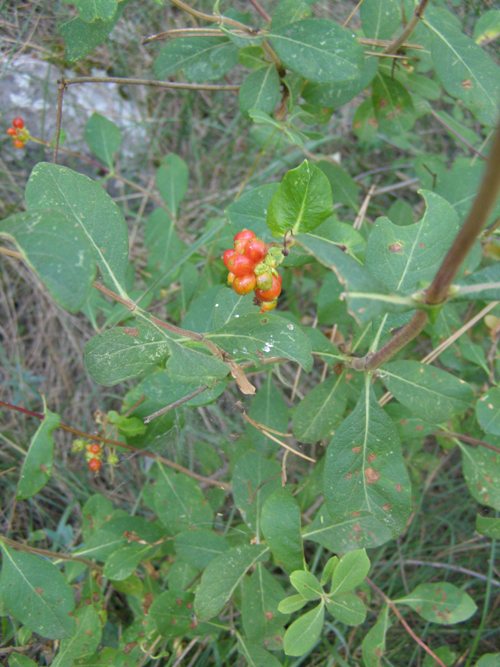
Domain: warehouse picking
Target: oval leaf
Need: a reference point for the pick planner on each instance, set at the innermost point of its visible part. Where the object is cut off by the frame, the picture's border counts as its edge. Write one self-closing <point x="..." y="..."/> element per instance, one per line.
<point x="440" y="603"/>
<point x="303" y="634"/>
<point x="37" y="466"/>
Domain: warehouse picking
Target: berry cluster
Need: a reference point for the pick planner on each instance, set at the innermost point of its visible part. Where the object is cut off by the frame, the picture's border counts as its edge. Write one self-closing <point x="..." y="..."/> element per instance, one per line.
<point x="252" y="266"/>
<point x="94" y="453"/>
<point x="18" y="132"/>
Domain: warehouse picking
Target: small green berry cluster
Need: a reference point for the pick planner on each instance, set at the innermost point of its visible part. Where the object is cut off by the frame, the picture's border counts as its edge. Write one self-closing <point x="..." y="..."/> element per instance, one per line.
<point x="252" y="267"/>
<point x="18" y="132"/>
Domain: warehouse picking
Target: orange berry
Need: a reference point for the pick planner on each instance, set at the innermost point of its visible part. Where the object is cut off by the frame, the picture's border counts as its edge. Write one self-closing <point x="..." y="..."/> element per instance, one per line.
<point x="94" y="448"/>
<point x="256" y="250"/>
<point x="18" y="143"/>
<point x="18" y="123"/>
<point x="244" y="235"/>
<point x="240" y="265"/>
<point x="94" y="465"/>
<point x="272" y="293"/>
<point x="12" y="132"/>
<point x="244" y="284"/>
<point x="266" y="306"/>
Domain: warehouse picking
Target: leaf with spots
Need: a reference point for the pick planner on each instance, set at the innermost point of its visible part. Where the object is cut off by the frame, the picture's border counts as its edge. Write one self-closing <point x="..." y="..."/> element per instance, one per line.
<point x="261" y="594"/>
<point x="254" y="480"/>
<point x="481" y="469"/>
<point x="365" y="475"/>
<point x="464" y="68"/>
<point x="85" y="640"/>
<point x="123" y="353"/>
<point x="35" y="593"/>
<point x="373" y="646"/>
<point x="319" y="412"/>
<point x="405" y="258"/>
<point x="37" y="466"/>
<point x="91" y="210"/>
<point x="260" y="337"/>
<point x="429" y="392"/>
<point x="280" y="521"/>
<point x="200" y="58"/>
<point x="440" y="603"/>
<point x="488" y="411"/>
<point x="393" y="106"/>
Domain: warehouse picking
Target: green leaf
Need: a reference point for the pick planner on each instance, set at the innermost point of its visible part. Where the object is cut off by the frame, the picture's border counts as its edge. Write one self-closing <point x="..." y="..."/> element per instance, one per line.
<point x="345" y="190"/>
<point x="349" y="272"/>
<point x="222" y="576"/>
<point x="123" y="353"/>
<point x="172" y="181"/>
<point x="19" y="660"/>
<point x="262" y="336"/>
<point x="260" y="90"/>
<point x="269" y="408"/>
<point x="103" y="138"/>
<point x="80" y="37"/>
<point x="289" y="11"/>
<point x="254" y="479"/>
<point x="214" y="308"/>
<point x="488" y="411"/>
<point x="303" y="634"/>
<point x="440" y="603"/>
<point x="489" y="526"/>
<point x="162" y="241"/>
<point x="320" y="411"/>
<point x="261" y="594"/>
<point x="124" y="561"/>
<point x="172" y="613"/>
<point x="96" y="10"/>
<point x="393" y="106"/>
<point x="464" y="69"/>
<point x="302" y="202"/>
<point x="489" y="660"/>
<point x="350" y="572"/>
<point x="318" y="49"/>
<point x="56" y="250"/>
<point x="255" y="655"/>
<point x="280" y="521"/>
<point x="347" y="608"/>
<point x="179" y="502"/>
<point x="200" y="58"/>
<point x="373" y="645"/>
<point x="365" y="475"/>
<point x="380" y="19"/>
<point x="187" y="365"/>
<point x="402" y="258"/>
<point x="487" y="26"/>
<point x="85" y="640"/>
<point x="250" y="210"/>
<point x="481" y="469"/>
<point x="291" y="604"/>
<point x="36" y="594"/>
<point x="340" y="535"/>
<point x="199" y="547"/>
<point x="429" y="392"/>
<point x="329" y="569"/>
<point x="37" y="466"/>
<point x="306" y="584"/>
<point x="483" y="284"/>
<point x="90" y="209"/>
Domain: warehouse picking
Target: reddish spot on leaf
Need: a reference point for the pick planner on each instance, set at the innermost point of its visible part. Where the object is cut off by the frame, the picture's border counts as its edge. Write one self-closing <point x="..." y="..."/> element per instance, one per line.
<point x="193" y="624"/>
<point x="178" y="602"/>
<point x="89" y="633"/>
<point x="382" y="103"/>
<point x="419" y="427"/>
<point x="131" y="331"/>
<point x="173" y="621"/>
<point x="403" y="422"/>
<point x="467" y="84"/>
<point x="189" y="605"/>
<point x="372" y="457"/>
<point x="356" y="513"/>
<point x="348" y="475"/>
<point x="371" y="475"/>
<point x="356" y="450"/>
<point x="398" y="487"/>
<point x="269" y="615"/>
<point x="373" y="122"/>
<point x="387" y="507"/>
<point x="357" y="528"/>
<point x="396" y="247"/>
<point x="421" y="245"/>
<point x="39" y="590"/>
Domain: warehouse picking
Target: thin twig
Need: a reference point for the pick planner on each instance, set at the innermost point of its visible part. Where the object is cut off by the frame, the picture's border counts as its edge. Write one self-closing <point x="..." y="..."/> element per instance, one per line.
<point x="469" y="440"/>
<point x="124" y="81"/>
<point x="174" y="404"/>
<point x="212" y="18"/>
<point x="399" y="616"/>
<point x="349" y="18"/>
<point x="364" y="206"/>
<point x="412" y="24"/>
<point x="260" y="10"/>
<point x="61" y="87"/>
<point x="117" y="443"/>
<point x="50" y="554"/>
<point x="265" y="431"/>
<point x="457" y="135"/>
<point x="453" y="568"/>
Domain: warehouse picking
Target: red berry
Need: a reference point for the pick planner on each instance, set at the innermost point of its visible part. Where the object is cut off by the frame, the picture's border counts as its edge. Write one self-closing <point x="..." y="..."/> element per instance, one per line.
<point x="12" y="132"/>
<point x="256" y="250"/>
<point x="264" y="281"/>
<point x="18" y="123"/>
<point x="94" y="465"/>
<point x="240" y="265"/>
<point x="227" y="256"/>
<point x="272" y="293"/>
<point x="18" y="143"/>
<point x="266" y="306"/>
<point x="230" y="278"/>
<point x="244" y="235"/>
<point x="94" y="448"/>
<point x="244" y="284"/>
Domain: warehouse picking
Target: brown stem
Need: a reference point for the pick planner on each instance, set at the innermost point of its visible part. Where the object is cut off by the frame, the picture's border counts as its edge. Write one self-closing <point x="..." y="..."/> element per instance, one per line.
<point x="212" y="18"/>
<point x="469" y="440"/>
<point x="176" y="85"/>
<point x="50" y="554"/>
<point x="117" y="443"/>
<point x="412" y="24"/>
<point x="260" y="10"/>
<point x="438" y="290"/>
<point x="393" y="607"/>
<point x="457" y="135"/>
<point x="174" y="404"/>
